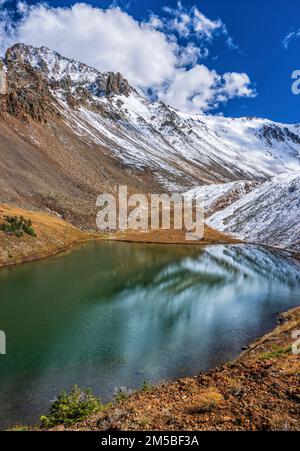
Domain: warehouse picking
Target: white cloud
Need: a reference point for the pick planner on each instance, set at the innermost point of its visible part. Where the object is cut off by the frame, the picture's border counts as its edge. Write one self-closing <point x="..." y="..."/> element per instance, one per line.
<point x="205" y="26"/>
<point x="231" y="44"/>
<point x="192" y="90"/>
<point x="292" y="35"/>
<point x="189" y="55"/>
<point x="191" y="21"/>
<point x="106" y="39"/>
<point x="237" y="85"/>
<point x="201" y="89"/>
<point x="145" y="52"/>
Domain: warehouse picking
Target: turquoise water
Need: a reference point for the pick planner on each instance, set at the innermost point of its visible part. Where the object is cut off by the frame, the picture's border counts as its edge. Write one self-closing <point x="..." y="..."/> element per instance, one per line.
<point x="110" y="315"/>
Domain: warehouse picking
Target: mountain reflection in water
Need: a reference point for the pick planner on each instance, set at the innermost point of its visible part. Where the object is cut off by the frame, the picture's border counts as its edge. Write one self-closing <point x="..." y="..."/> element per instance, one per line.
<point x="114" y="314"/>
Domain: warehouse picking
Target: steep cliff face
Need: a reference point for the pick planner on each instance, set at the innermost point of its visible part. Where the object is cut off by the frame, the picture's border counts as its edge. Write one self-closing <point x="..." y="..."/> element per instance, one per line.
<point x="3" y="83"/>
<point x="116" y="84"/>
<point x="26" y="94"/>
<point x="31" y="75"/>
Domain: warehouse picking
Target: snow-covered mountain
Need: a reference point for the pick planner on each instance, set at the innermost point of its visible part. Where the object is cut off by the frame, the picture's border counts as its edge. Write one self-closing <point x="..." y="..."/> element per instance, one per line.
<point x="186" y="147"/>
<point x="69" y="132"/>
<point x="216" y="197"/>
<point x="269" y="214"/>
<point x="180" y="149"/>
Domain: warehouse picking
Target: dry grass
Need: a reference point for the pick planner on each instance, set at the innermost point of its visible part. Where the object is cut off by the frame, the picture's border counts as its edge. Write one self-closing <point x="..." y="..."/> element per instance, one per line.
<point x="53" y="235"/>
<point x="206" y="401"/>
<point x="172" y="237"/>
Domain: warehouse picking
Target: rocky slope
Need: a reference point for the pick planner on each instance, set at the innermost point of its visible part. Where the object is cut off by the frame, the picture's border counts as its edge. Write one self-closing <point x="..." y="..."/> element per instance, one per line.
<point x="269" y="214"/>
<point x="69" y="132"/>
<point x="216" y="197"/>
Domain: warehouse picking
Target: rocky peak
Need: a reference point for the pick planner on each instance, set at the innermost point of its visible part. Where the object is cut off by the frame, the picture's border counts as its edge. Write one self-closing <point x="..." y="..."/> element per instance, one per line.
<point x="116" y="84"/>
<point x="50" y="64"/>
<point x="17" y="53"/>
<point x="67" y="73"/>
<point x="27" y="93"/>
<point x="33" y="75"/>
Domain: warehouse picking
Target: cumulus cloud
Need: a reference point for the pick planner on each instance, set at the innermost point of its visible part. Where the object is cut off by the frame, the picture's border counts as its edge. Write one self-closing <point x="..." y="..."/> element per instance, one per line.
<point x="192" y="90"/>
<point x="106" y="39"/>
<point x="145" y="52"/>
<point x="190" y="54"/>
<point x="201" y="89"/>
<point x="291" y="36"/>
<point x="237" y="85"/>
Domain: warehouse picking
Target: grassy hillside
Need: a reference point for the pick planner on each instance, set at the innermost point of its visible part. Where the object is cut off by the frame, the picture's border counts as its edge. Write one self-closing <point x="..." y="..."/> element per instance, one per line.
<point x="52" y="236"/>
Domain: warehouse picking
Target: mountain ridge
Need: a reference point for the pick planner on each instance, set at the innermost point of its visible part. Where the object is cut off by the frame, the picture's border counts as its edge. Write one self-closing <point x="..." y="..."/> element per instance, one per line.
<point x="69" y="132"/>
<point x="40" y="57"/>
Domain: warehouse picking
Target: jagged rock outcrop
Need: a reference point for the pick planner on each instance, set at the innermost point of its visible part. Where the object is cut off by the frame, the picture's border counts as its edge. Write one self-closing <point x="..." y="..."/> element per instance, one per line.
<point x="274" y="132"/>
<point x="116" y="84"/>
<point x="33" y="73"/>
<point x="3" y="82"/>
<point x="26" y="93"/>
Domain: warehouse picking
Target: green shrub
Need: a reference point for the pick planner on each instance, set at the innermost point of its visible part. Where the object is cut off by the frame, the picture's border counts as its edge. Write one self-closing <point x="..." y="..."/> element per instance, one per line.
<point x="71" y="408"/>
<point x="276" y="352"/>
<point x="146" y="386"/>
<point x="122" y="394"/>
<point x="17" y="226"/>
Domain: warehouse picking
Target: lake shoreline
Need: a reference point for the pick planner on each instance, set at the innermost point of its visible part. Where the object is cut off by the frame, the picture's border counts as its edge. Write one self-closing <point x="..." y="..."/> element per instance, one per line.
<point x="259" y="391"/>
<point x="93" y="289"/>
<point x="91" y="237"/>
<point x="55" y="236"/>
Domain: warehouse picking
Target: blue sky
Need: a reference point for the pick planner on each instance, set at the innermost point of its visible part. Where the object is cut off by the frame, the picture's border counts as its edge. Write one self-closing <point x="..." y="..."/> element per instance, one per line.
<point x="235" y="37"/>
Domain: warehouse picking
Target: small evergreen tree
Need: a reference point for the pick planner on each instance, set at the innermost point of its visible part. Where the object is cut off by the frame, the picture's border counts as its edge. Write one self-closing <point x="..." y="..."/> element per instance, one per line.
<point x="17" y="226"/>
<point x="71" y="408"/>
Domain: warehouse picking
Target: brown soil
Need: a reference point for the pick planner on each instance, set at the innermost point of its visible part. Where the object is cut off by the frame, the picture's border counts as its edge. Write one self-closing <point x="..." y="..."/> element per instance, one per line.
<point x="259" y="391"/>
<point x="53" y="235"/>
<point x="50" y="167"/>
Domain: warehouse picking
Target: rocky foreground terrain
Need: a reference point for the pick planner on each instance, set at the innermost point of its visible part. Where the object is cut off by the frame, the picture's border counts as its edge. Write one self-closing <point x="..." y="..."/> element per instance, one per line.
<point x="257" y="392"/>
<point x="69" y="132"/>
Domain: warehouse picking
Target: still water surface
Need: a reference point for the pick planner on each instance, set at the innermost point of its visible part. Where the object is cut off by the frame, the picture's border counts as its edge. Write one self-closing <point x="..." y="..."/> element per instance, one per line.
<point x="110" y="315"/>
